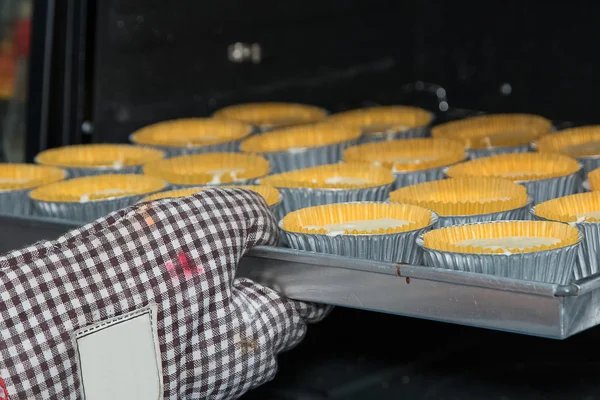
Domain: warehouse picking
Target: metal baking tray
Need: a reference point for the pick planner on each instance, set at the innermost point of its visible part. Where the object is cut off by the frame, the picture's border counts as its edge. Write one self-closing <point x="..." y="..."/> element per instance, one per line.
<point x="530" y="308"/>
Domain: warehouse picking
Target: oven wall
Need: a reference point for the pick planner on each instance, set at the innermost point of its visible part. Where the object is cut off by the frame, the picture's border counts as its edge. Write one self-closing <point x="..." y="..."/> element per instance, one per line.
<point x="156" y="60"/>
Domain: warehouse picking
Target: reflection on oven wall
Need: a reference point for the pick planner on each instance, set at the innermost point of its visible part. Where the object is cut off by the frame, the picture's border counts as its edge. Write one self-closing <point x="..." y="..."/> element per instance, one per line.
<point x="530" y="56"/>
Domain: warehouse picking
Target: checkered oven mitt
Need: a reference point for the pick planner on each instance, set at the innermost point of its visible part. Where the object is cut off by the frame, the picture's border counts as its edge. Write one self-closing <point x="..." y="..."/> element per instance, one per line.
<point x="73" y="310"/>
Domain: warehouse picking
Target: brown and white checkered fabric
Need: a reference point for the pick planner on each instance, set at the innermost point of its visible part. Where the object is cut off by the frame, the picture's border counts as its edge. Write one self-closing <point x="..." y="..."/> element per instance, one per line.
<point x="219" y="336"/>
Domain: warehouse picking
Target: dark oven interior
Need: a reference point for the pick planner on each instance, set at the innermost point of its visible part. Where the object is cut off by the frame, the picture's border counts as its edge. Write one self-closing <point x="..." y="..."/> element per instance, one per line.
<point x="116" y="65"/>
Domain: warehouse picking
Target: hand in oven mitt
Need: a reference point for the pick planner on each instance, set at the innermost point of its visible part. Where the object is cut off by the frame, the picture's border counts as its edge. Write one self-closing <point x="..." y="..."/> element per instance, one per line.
<point x="143" y="304"/>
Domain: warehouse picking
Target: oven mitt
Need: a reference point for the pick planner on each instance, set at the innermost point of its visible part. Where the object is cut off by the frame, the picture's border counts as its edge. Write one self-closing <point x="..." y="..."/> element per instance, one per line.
<point x="143" y="304"/>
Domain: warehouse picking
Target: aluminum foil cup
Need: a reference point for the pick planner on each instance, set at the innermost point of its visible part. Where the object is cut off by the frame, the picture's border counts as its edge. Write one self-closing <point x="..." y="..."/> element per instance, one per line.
<point x="88" y="198"/>
<point x="99" y="159"/>
<point x="17" y="180"/>
<point x="270" y="116"/>
<point x="282" y="161"/>
<point x="585" y="186"/>
<point x="480" y="153"/>
<point x="83" y="212"/>
<point x="546" y="176"/>
<point x="517" y="214"/>
<point x="593" y="180"/>
<point x="581" y="143"/>
<point x="302" y="146"/>
<point x="227" y="147"/>
<point x="328" y="184"/>
<point x="555" y="265"/>
<point x="459" y="201"/>
<point x="412" y="160"/>
<point x="589" y="252"/>
<point x="212" y="169"/>
<point x="495" y="133"/>
<point x="387" y="136"/>
<point x="238" y="182"/>
<point x="589" y="163"/>
<point x="413" y="177"/>
<point x="188" y="136"/>
<point x="15" y="202"/>
<point x="385" y="123"/>
<point x="390" y="247"/>
<point x="547" y="189"/>
<point x="583" y="212"/>
<point x="296" y="198"/>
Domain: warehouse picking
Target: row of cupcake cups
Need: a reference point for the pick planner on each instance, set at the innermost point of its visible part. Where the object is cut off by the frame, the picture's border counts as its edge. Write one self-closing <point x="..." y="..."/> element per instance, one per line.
<point x="293" y="198"/>
<point x="296" y="198"/>
<point x="540" y="190"/>
<point x="557" y="265"/>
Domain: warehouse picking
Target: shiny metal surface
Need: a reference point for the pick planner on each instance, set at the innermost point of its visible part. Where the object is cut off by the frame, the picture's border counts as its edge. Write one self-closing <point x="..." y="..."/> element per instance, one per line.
<point x="588" y="257"/>
<point x="546" y="189"/>
<point x="589" y="164"/>
<point x="241" y="182"/>
<point x="173" y="151"/>
<point x="79" y="172"/>
<point x="492" y="151"/>
<point x="539" y="309"/>
<point x="84" y="211"/>
<point x="550" y="266"/>
<point x="293" y="199"/>
<point x="282" y="161"/>
<point x="16" y="202"/>
<point x="485" y="301"/>
<point x="394" y="247"/>
<point x="413" y="177"/>
<point x="412" y="133"/>
<point x="521" y="213"/>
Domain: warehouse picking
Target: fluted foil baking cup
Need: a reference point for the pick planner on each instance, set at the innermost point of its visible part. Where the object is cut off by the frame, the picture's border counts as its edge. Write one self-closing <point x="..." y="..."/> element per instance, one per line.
<point x="581" y="143"/>
<point x="267" y="116"/>
<point x="492" y="151"/>
<point x="283" y="161"/>
<point x="98" y="159"/>
<point x="386" y="123"/>
<point x="408" y="155"/>
<point x="589" y="163"/>
<point x="517" y="214"/>
<point x="464" y="196"/>
<point x="582" y="211"/>
<point x="193" y="136"/>
<point x="548" y="189"/>
<point x="270" y="194"/>
<point x="332" y="176"/>
<point x="332" y="183"/>
<point x="593" y="179"/>
<point x="546" y="176"/>
<point x="302" y="146"/>
<point x="391" y="134"/>
<point x="392" y="246"/>
<point x="209" y="169"/>
<point x="88" y="198"/>
<point x="494" y="130"/>
<point x="17" y="180"/>
<point x="551" y="264"/>
<point x="409" y="178"/>
<point x="296" y="198"/>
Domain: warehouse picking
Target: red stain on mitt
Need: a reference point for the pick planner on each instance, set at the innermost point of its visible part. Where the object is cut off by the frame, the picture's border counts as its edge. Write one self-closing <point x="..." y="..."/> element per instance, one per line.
<point x="189" y="268"/>
<point x="3" y="391"/>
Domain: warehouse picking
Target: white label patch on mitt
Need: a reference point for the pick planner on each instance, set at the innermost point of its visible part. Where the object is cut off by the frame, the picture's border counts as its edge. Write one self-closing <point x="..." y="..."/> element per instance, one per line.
<point x="119" y="358"/>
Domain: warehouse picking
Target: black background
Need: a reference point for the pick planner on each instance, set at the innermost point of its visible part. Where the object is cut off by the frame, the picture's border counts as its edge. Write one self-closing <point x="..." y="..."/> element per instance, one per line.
<point x="157" y="60"/>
